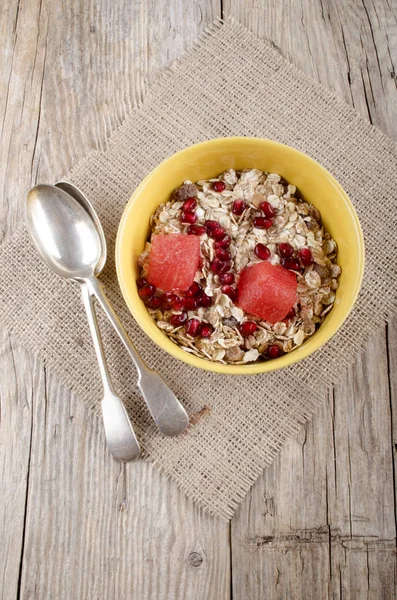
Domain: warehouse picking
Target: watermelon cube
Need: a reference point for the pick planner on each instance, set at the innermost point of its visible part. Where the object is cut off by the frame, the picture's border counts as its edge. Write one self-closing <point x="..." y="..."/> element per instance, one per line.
<point x="174" y="260"/>
<point x="267" y="291"/>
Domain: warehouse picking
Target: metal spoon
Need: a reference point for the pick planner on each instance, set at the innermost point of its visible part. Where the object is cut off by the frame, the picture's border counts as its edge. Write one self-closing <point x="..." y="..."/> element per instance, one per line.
<point x="73" y="191"/>
<point x="73" y="245"/>
<point x="169" y="415"/>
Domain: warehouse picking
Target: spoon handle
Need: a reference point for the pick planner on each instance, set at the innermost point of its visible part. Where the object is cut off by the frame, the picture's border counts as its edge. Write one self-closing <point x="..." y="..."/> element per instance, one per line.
<point x="166" y="410"/>
<point x="120" y="436"/>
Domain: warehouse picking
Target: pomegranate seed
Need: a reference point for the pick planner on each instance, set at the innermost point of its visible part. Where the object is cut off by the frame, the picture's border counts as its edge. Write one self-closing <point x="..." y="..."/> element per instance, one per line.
<point x="226" y="278"/>
<point x="211" y="224"/>
<point x="225" y="267"/>
<point x="229" y="291"/>
<point x="189" y="205"/>
<point x="196" y="230"/>
<point x="262" y="223"/>
<point x="194" y="290"/>
<point x="190" y="303"/>
<point x="290" y="263"/>
<point x="262" y="251"/>
<point x="204" y="300"/>
<point x="216" y="265"/>
<point x="193" y="327"/>
<point x="248" y="328"/>
<point x="285" y="250"/>
<point x="140" y="282"/>
<point x="167" y="299"/>
<point x="306" y="257"/>
<point x="218" y="186"/>
<point x="238" y="207"/>
<point x="188" y="217"/>
<point x="206" y="330"/>
<point x="154" y="302"/>
<point x="223" y="243"/>
<point x="274" y="351"/>
<point x="178" y="320"/>
<point x="219" y="266"/>
<point x="177" y="303"/>
<point x="218" y="233"/>
<point x="147" y="291"/>
<point x="291" y="314"/>
<point x="268" y="209"/>
<point x="222" y="254"/>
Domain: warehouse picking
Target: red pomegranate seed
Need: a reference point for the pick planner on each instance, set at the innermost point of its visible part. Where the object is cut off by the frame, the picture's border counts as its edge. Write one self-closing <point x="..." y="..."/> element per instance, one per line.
<point x="167" y="299"/>
<point x="222" y="254"/>
<point x="225" y="267"/>
<point x="262" y="251"/>
<point x="178" y="320"/>
<point x="194" y="290"/>
<point x="262" y="223"/>
<point x="196" y="230"/>
<point x="216" y="265"/>
<point x="189" y="205"/>
<point x="204" y="300"/>
<point x="219" y="266"/>
<point x="268" y="209"/>
<point x="230" y="291"/>
<point x="223" y="243"/>
<point x="274" y="351"/>
<point x="238" y="207"/>
<point x="248" y="328"/>
<point x="154" y="302"/>
<point x="191" y="303"/>
<point x="218" y="186"/>
<point x="291" y="263"/>
<point x="217" y="234"/>
<point x="211" y="224"/>
<point x="285" y="250"/>
<point x="188" y="217"/>
<point x="140" y="282"/>
<point x="306" y="257"/>
<point x="193" y="327"/>
<point x="177" y="303"/>
<point x="206" y="330"/>
<point x="147" y="291"/>
<point x="226" y="278"/>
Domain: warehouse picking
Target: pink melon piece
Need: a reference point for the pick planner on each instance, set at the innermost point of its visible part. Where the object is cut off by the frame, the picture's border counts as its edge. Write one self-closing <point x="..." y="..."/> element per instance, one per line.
<point x="267" y="291"/>
<point x="173" y="261"/>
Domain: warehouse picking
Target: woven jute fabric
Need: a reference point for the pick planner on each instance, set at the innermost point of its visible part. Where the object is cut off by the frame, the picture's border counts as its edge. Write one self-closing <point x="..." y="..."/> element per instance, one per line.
<point x="231" y="83"/>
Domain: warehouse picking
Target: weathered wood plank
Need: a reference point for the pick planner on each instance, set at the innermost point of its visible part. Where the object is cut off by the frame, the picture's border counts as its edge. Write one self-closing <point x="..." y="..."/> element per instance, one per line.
<point x="17" y="389"/>
<point x="350" y="47"/>
<point x="92" y="531"/>
<point x="74" y="524"/>
<point x="320" y="523"/>
<point x="95" y="529"/>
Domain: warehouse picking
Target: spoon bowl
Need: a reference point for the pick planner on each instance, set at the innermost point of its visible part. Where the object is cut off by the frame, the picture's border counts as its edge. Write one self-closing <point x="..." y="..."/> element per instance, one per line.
<point x="63" y="233"/>
<point x="82" y="199"/>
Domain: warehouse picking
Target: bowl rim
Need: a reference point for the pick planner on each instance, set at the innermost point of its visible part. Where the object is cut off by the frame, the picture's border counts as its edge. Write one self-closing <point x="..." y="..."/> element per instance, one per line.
<point x="161" y="340"/>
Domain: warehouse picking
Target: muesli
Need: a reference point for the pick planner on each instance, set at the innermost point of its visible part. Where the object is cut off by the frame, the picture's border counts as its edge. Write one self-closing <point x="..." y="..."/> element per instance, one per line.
<point x="242" y="220"/>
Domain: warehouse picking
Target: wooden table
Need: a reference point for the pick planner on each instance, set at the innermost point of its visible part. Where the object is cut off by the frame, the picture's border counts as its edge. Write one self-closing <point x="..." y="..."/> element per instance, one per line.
<point x="318" y="524"/>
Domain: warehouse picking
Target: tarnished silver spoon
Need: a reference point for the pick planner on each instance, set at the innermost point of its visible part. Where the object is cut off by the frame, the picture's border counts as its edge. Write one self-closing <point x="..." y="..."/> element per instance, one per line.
<point x="73" y="245"/>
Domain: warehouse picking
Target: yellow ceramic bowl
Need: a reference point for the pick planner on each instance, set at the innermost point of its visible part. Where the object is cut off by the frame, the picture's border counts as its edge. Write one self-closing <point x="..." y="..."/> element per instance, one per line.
<point x="207" y="160"/>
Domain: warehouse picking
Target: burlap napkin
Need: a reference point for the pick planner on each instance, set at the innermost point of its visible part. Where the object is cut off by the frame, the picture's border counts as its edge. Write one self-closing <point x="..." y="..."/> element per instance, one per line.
<point x="230" y="84"/>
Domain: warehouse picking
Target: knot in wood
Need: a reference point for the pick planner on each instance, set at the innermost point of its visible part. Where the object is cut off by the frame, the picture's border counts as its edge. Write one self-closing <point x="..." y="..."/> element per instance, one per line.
<point x="195" y="559"/>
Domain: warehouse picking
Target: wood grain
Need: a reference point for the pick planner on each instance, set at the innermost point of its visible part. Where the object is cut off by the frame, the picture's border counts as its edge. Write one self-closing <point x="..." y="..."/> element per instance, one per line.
<point x="320" y="522"/>
<point x="73" y="524"/>
<point x="106" y="528"/>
